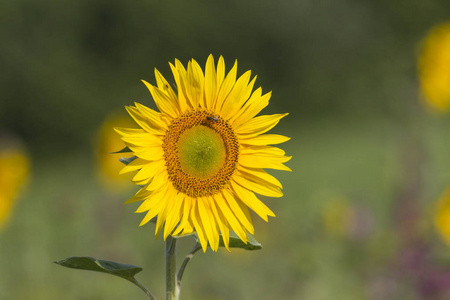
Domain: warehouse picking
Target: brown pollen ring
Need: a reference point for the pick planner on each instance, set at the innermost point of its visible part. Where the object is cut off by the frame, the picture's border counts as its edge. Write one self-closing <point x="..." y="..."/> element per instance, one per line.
<point x="187" y="183"/>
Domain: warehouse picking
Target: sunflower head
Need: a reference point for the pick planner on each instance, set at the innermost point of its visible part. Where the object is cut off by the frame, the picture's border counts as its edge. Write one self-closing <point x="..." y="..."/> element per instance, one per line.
<point x="434" y="67"/>
<point x="442" y="216"/>
<point x="14" y="173"/>
<point x="201" y="158"/>
<point x="107" y="142"/>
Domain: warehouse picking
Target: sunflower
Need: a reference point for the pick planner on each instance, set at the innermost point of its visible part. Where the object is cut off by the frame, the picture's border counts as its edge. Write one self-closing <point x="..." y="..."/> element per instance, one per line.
<point x="107" y="141"/>
<point x="434" y="67"/>
<point x="442" y="216"/>
<point x="201" y="157"/>
<point x="14" y="173"/>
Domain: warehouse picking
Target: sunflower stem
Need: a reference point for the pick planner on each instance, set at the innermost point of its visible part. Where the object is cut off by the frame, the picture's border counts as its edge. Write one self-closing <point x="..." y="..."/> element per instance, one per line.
<point x="147" y="292"/>
<point x="172" y="290"/>
<point x="184" y="264"/>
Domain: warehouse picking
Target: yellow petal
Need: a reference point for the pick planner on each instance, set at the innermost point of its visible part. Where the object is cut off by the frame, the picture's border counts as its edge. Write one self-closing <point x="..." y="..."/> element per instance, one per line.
<point x="249" y="199"/>
<point x="259" y="175"/>
<point x="209" y="223"/>
<point x="237" y="211"/>
<point x="252" y="107"/>
<point x="240" y="90"/>
<point x="165" y="87"/>
<point x="162" y="215"/>
<point x="265" y="139"/>
<point x="158" y="181"/>
<point x="152" y="200"/>
<point x="264" y="162"/>
<point x="150" y="170"/>
<point x="182" y="88"/>
<point x="234" y="106"/>
<point x="220" y="72"/>
<point x="136" y="164"/>
<point x="244" y="209"/>
<point x="230" y="217"/>
<point x="261" y="150"/>
<point x="139" y="196"/>
<point x="188" y="228"/>
<point x="130" y="131"/>
<point x="222" y="223"/>
<point x="210" y="83"/>
<point x="148" y="153"/>
<point x="143" y="140"/>
<point x="268" y="190"/>
<point x="226" y="87"/>
<point x="195" y="217"/>
<point x="182" y="102"/>
<point x="147" y="218"/>
<point x="154" y="209"/>
<point x="195" y="83"/>
<point x="174" y="216"/>
<point x="185" y="215"/>
<point x="241" y="99"/>
<point x="258" y="125"/>
<point x="154" y="117"/>
<point x="162" y="101"/>
<point x="143" y="121"/>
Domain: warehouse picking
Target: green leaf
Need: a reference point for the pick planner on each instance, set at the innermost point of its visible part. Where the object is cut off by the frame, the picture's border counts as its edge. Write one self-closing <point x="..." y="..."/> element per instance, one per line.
<point x="124" y="150"/>
<point x="92" y="264"/>
<point x="127" y="160"/>
<point x="236" y="242"/>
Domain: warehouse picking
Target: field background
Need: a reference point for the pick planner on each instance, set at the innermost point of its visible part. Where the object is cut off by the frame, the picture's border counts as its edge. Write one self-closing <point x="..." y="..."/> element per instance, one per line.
<point x="370" y="158"/>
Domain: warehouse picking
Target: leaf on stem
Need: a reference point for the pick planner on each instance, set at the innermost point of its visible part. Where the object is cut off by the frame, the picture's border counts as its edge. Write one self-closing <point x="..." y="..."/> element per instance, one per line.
<point x="124" y="150"/>
<point x="127" y="160"/>
<point x="92" y="264"/>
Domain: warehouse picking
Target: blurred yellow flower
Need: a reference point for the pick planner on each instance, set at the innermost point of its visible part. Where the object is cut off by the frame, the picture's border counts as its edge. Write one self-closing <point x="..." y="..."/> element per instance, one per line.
<point x="336" y="216"/>
<point x="343" y="219"/>
<point x="434" y="67"/>
<point x="109" y="141"/>
<point x="14" y="171"/>
<point x="442" y="216"/>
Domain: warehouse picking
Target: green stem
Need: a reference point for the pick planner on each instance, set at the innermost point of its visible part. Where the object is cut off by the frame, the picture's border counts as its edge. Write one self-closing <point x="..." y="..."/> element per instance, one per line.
<point x="172" y="291"/>
<point x="147" y="292"/>
<point x="185" y="262"/>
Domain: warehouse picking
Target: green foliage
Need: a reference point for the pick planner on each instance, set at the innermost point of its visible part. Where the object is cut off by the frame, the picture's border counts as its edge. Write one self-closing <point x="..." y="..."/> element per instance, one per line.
<point x="104" y="266"/>
<point x="124" y="271"/>
<point x="124" y="150"/>
<point x="127" y="160"/>
<point x="236" y="242"/>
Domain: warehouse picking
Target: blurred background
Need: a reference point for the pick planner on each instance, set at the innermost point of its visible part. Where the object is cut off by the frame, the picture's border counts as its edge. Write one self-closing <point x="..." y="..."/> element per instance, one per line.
<point x="366" y="211"/>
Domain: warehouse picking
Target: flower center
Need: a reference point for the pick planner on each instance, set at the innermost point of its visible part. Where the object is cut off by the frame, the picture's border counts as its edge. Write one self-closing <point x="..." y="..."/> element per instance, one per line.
<point x="201" y="151"/>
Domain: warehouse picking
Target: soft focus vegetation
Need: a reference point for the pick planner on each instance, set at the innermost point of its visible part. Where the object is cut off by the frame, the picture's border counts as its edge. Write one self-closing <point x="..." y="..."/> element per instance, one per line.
<point x="370" y="158"/>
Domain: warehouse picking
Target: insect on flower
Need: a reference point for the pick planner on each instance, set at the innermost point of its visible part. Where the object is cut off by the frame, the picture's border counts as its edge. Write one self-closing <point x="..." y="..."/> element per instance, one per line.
<point x="214" y="118"/>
